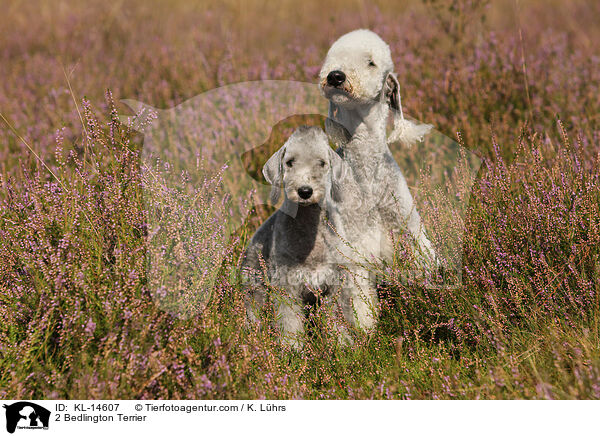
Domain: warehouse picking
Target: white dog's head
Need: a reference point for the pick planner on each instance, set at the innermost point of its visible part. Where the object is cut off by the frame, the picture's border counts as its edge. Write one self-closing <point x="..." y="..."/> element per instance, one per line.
<point x="358" y="69"/>
<point x="306" y="167"/>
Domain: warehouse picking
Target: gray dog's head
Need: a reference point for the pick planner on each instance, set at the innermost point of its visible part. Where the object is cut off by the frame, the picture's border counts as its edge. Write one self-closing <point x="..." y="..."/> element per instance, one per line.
<point x="358" y="69"/>
<point x="306" y="167"/>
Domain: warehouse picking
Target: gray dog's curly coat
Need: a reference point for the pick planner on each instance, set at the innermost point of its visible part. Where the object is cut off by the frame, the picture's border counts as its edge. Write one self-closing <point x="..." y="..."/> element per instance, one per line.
<point x="299" y="247"/>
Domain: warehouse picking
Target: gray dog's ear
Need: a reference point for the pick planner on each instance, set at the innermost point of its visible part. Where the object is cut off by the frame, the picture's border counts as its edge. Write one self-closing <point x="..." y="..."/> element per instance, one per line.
<point x="337" y="173"/>
<point x="273" y="173"/>
<point x="392" y="92"/>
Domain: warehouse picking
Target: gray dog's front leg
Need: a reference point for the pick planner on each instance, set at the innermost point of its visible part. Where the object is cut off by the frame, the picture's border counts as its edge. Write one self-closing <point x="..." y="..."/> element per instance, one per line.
<point x="290" y="320"/>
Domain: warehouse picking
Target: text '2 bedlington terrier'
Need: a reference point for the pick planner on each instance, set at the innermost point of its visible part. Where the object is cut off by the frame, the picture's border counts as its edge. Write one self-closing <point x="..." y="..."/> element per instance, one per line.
<point x="358" y="79"/>
<point x="297" y="247"/>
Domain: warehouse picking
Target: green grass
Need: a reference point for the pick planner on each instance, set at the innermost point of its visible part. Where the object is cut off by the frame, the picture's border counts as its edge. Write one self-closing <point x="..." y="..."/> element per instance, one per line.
<point x="79" y="312"/>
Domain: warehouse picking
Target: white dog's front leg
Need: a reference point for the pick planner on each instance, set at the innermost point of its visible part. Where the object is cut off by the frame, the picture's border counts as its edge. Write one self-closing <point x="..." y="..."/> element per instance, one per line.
<point x="408" y="217"/>
<point x="426" y="254"/>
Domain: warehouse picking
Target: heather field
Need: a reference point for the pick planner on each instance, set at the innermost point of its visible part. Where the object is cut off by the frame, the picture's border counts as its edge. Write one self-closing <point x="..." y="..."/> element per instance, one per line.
<point x="516" y="83"/>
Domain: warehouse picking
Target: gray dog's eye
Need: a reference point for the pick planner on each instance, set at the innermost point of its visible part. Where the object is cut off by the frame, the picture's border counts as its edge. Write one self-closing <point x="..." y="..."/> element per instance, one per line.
<point x="290" y="162"/>
<point x="372" y="64"/>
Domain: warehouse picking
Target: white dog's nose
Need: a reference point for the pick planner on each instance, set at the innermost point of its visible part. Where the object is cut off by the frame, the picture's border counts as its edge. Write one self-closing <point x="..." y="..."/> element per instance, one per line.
<point x="336" y="78"/>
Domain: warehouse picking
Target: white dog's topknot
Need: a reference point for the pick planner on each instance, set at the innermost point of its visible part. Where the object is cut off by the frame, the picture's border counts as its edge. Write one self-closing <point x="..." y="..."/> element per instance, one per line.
<point x="344" y="51"/>
<point x="364" y="39"/>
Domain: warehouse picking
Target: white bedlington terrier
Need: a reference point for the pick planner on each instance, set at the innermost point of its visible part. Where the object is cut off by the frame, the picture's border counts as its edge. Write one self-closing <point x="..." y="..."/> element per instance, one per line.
<point x="358" y="79"/>
<point x="301" y="246"/>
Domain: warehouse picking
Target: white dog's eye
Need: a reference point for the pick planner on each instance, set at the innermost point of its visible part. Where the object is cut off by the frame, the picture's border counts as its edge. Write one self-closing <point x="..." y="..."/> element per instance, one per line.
<point x="290" y="162"/>
<point x="322" y="163"/>
<point x="372" y="64"/>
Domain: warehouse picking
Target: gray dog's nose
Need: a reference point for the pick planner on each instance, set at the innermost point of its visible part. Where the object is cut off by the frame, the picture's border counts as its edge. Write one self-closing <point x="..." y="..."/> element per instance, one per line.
<point x="336" y="78"/>
<point x="305" y="192"/>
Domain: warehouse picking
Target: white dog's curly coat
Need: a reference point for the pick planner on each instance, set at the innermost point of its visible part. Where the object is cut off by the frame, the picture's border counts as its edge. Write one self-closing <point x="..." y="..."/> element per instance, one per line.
<point x="358" y="79"/>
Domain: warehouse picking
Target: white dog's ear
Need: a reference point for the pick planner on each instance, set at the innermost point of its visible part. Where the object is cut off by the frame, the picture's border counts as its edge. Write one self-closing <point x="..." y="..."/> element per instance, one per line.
<point x="392" y="92"/>
<point x="273" y="173"/>
<point x="337" y="172"/>
<point x="404" y="131"/>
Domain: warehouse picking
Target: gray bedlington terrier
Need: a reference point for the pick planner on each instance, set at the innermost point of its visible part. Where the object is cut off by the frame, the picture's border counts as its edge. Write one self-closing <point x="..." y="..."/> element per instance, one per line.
<point x="301" y="246"/>
<point x="357" y="77"/>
